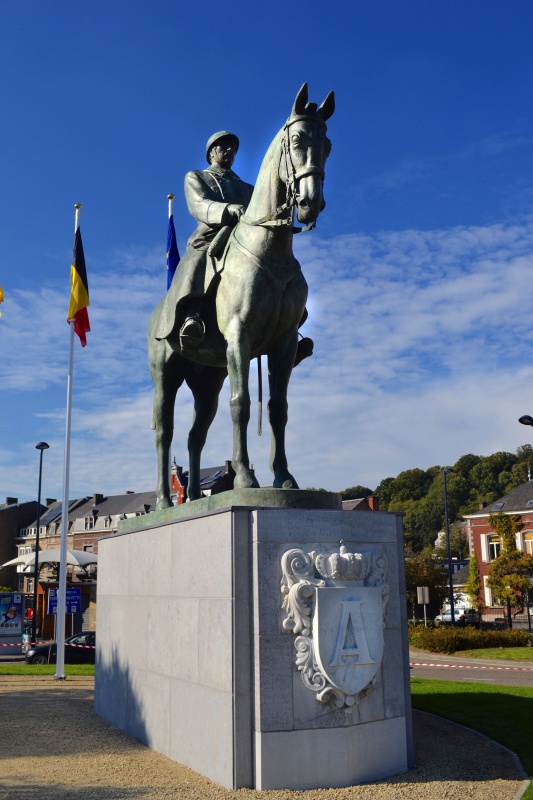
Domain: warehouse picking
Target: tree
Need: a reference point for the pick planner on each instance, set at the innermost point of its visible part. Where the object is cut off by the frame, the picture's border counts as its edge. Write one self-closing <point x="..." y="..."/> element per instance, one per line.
<point x="484" y="476"/>
<point x="458" y="542"/>
<point x="384" y="492"/>
<point x="473" y="584"/>
<point x="525" y="453"/>
<point x="510" y="574"/>
<point x="423" y="569"/>
<point x="355" y="492"/>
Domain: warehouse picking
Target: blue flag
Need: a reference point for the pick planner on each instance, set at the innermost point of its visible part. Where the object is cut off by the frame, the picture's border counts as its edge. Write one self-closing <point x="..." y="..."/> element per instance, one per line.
<point x="173" y="256"/>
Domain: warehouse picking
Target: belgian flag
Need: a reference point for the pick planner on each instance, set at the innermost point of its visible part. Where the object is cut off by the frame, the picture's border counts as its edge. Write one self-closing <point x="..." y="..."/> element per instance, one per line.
<point x="79" y="295"/>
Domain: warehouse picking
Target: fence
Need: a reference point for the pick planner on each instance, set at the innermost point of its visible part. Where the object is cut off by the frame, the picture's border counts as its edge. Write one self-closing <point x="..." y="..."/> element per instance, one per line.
<point x="497" y="618"/>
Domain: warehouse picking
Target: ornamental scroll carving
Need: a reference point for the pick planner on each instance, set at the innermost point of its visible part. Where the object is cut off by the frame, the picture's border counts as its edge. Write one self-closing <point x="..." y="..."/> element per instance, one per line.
<point x="335" y="605"/>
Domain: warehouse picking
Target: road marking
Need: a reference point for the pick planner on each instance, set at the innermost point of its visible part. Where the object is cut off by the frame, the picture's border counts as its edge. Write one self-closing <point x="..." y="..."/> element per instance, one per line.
<point x="470" y="666"/>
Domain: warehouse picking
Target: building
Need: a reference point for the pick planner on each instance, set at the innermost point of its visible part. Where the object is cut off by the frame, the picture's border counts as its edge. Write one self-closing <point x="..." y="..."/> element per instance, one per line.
<point x="370" y="503"/>
<point x="13" y="516"/>
<point x="89" y="520"/>
<point x="484" y="540"/>
<point x="213" y="480"/>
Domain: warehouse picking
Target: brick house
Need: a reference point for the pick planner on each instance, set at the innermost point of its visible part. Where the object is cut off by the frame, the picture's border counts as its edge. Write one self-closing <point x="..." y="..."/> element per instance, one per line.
<point x="485" y="542"/>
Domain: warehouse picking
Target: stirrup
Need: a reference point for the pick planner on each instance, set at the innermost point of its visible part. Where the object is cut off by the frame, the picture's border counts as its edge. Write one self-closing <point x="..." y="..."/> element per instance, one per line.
<point x="192" y="333"/>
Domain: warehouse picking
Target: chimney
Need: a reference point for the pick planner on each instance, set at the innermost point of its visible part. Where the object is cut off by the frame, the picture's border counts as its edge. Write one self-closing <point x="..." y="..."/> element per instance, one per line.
<point x="11" y="501"/>
<point x="229" y="468"/>
<point x="49" y="501"/>
<point x="97" y="498"/>
<point x="373" y="502"/>
<point x="482" y="506"/>
<point x="128" y="491"/>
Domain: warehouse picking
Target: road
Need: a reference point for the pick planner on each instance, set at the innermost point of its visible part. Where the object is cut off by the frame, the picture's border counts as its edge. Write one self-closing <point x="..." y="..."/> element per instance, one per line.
<point x="473" y="670"/>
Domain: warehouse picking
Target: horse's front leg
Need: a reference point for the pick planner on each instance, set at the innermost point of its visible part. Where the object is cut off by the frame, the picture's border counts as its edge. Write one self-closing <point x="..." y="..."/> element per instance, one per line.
<point x="205" y="387"/>
<point x="238" y="361"/>
<point x="280" y="361"/>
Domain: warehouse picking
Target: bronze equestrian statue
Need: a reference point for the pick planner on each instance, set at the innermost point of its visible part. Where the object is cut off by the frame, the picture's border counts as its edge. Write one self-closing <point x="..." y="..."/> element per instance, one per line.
<point x="252" y="300"/>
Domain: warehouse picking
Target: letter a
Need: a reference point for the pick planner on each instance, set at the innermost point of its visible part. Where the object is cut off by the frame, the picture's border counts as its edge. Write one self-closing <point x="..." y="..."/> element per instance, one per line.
<point x="351" y="638"/>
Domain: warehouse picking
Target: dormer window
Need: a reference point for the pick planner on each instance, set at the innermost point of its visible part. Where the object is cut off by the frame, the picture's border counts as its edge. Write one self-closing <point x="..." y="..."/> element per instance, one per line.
<point x="107" y="522"/>
<point x="89" y="523"/>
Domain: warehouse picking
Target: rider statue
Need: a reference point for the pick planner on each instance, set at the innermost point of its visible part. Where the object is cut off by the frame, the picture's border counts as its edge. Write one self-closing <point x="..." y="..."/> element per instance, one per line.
<point x="217" y="198"/>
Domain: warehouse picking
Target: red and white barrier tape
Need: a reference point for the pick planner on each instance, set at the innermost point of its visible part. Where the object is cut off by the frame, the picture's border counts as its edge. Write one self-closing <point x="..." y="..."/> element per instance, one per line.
<point x="33" y="644"/>
<point x="470" y="666"/>
<point x="18" y="644"/>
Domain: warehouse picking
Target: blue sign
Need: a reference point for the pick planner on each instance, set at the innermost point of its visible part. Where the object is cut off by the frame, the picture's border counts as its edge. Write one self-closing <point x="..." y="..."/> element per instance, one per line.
<point x="73" y="604"/>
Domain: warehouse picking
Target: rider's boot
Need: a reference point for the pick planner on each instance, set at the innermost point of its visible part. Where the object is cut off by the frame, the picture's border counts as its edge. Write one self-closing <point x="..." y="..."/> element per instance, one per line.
<point x="304" y="350"/>
<point x="192" y="333"/>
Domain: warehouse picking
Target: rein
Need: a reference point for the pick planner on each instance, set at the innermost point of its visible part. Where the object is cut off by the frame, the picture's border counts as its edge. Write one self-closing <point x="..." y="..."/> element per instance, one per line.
<point x="275" y="218"/>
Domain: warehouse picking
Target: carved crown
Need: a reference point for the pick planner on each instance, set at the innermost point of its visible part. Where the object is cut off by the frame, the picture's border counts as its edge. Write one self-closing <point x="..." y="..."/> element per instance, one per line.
<point x="344" y="566"/>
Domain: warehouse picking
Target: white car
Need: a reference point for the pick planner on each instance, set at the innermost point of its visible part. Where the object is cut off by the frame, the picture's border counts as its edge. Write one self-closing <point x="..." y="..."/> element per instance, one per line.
<point x="463" y="616"/>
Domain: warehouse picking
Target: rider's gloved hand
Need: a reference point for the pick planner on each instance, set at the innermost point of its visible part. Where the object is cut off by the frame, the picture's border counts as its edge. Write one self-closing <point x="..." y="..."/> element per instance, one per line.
<point x="236" y="211"/>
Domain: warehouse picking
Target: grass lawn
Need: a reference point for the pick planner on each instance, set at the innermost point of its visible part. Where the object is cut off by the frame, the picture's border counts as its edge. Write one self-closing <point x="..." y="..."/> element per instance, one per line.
<point x="20" y="668"/>
<point x="502" y="712"/>
<point x="505" y="653"/>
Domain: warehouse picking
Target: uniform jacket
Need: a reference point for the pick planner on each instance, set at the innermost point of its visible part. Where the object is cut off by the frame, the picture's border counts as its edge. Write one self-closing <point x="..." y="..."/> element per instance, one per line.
<point x="208" y="194"/>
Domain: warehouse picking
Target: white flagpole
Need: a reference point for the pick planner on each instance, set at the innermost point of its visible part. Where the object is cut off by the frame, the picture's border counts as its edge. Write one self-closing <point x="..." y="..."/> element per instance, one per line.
<point x="170" y="201"/>
<point x="62" y="588"/>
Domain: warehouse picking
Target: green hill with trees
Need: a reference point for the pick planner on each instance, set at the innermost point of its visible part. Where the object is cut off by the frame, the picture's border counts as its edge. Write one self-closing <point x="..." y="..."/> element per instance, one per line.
<point x="419" y="493"/>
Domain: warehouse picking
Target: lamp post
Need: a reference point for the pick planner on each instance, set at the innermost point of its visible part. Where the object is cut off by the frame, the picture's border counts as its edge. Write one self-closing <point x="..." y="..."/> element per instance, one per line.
<point x="445" y="472"/>
<point x="527" y="420"/>
<point x="42" y="446"/>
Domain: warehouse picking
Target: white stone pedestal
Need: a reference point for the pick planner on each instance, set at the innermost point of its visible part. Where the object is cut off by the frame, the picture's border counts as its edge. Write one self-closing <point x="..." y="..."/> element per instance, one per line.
<point x="196" y="656"/>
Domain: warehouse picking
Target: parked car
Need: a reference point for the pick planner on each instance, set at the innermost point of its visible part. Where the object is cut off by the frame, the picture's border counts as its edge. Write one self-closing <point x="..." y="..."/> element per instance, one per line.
<point x="463" y="616"/>
<point x="45" y="653"/>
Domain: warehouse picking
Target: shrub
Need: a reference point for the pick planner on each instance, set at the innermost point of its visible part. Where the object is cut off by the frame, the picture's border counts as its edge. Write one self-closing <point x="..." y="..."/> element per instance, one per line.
<point x="450" y="640"/>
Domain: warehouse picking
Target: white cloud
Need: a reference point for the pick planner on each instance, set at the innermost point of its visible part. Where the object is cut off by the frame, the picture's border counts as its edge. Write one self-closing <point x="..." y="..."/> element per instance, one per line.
<point x="422" y="352"/>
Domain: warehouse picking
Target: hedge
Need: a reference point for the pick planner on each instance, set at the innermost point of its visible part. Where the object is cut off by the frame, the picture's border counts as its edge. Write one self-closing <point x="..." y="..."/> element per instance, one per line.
<point x="450" y="640"/>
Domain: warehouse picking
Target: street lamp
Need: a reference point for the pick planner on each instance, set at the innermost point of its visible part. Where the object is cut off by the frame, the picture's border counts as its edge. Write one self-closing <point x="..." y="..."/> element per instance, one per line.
<point x="42" y="446"/>
<point x="526" y="420"/>
<point x="445" y="472"/>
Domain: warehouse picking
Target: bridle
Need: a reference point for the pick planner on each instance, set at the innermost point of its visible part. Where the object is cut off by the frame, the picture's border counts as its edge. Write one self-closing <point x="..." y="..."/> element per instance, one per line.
<point x="283" y="214"/>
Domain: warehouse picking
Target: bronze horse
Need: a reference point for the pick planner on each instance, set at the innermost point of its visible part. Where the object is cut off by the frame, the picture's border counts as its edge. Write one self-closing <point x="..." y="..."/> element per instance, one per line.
<point x="253" y="308"/>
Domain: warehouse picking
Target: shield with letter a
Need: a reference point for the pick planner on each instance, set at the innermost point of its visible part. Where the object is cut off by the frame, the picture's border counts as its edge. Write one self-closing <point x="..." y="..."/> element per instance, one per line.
<point x="348" y="635"/>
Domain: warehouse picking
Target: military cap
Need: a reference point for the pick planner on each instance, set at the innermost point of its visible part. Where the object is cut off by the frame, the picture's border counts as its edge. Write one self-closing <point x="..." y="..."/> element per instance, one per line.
<point x="215" y="138"/>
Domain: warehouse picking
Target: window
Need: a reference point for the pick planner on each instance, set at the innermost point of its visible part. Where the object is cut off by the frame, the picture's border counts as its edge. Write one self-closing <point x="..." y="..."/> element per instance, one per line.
<point x="89" y="523"/>
<point x="494" y="546"/>
<point x="528" y="543"/>
<point x="107" y="522"/>
<point x="87" y="548"/>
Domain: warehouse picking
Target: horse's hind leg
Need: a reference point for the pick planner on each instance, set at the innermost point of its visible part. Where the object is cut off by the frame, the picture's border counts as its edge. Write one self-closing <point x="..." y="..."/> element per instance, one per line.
<point x="280" y="363"/>
<point x="167" y="377"/>
<point x="205" y="387"/>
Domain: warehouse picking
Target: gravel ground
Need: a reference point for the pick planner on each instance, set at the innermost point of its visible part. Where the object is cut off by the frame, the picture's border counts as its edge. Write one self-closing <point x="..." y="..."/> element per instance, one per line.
<point x="54" y="747"/>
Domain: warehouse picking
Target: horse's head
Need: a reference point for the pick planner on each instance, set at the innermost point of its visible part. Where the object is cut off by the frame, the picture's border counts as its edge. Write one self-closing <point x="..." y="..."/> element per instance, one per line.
<point x="306" y="149"/>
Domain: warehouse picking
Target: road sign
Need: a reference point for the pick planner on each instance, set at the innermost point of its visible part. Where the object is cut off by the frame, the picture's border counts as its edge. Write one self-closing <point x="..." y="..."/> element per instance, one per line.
<point x="73" y="605"/>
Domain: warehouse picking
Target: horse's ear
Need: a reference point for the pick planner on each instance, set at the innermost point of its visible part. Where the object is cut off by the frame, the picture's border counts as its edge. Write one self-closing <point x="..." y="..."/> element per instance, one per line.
<point x="301" y="101"/>
<point x="328" y="106"/>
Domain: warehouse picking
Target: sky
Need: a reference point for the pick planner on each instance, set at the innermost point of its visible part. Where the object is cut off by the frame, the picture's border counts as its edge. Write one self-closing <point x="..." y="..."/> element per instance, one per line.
<point x="419" y="269"/>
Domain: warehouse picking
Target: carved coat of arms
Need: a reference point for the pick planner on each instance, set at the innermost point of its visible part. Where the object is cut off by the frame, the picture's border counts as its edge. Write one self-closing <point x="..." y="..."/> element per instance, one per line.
<point x="335" y="605"/>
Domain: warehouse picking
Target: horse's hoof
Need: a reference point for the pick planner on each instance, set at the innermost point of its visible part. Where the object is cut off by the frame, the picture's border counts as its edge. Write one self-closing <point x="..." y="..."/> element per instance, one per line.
<point x="285" y="482"/>
<point x="245" y="480"/>
<point x="162" y="503"/>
